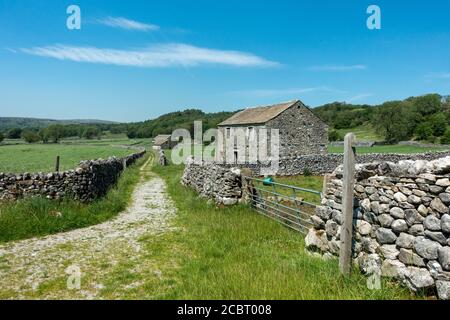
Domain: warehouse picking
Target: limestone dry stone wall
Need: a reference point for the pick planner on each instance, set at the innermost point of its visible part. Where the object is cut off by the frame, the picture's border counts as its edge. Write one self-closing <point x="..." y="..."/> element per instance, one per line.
<point x="89" y="181"/>
<point x="401" y="222"/>
<point x="319" y="164"/>
<point x="223" y="185"/>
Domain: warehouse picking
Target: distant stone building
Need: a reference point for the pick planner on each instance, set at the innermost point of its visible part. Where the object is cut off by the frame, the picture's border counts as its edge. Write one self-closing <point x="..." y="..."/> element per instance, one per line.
<point x="301" y="131"/>
<point x="163" y="141"/>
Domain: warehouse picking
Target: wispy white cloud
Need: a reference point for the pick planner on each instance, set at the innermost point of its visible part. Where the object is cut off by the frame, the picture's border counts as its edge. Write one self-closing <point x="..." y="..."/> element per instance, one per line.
<point x="338" y="68"/>
<point x="359" y="97"/>
<point x="162" y="55"/>
<point x="439" y="75"/>
<point x="124" y="23"/>
<point x="286" y="92"/>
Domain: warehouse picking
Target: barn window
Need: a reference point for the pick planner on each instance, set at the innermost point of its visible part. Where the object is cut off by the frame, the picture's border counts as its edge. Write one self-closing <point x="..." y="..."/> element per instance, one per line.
<point x="228" y="132"/>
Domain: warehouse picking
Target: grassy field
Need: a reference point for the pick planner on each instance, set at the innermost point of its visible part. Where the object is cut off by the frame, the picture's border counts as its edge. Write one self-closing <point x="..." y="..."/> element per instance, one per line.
<point x="363" y="133"/>
<point x="235" y="253"/>
<point x="389" y="149"/>
<point x="41" y="157"/>
<point x="306" y="182"/>
<point x="28" y="218"/>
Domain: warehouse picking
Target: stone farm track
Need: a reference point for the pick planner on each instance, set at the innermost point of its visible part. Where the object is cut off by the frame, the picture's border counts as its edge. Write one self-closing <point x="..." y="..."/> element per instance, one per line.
<point x="36" y="268"/>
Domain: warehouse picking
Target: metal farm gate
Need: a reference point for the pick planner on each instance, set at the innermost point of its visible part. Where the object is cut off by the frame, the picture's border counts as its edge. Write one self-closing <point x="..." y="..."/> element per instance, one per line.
<point x="283" y="203"/>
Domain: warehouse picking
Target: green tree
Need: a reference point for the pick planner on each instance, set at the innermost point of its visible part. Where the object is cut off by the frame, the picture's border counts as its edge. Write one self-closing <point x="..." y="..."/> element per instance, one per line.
<point x="30" y="136"/>
<point x="91" y="132"/>
<point x="427" y="104"/>
<point x="445" y="139"/>
<point x="2" y="137"/>
<point x="43" y="134"/>
<point x="334" y="135"/>
<point x="55" y="132"/>
<point x="439" y="123"/>
<point x="424" y="131"/>
<point x="14" y="133"/>
<point x="395" y="121"/>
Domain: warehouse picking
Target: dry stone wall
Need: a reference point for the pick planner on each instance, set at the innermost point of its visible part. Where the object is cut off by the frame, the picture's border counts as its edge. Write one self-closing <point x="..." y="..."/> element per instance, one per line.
<point x="223" y="185"/>
<point x="401" y="222"/>
<point x="89" y="181"/>
<point x="320" y="164"/>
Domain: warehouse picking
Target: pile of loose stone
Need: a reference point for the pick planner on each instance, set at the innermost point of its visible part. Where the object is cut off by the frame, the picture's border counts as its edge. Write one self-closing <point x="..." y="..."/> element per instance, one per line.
<point x="221" y="184"/>
<point x="90" y="180"/>
<point x="401" y="222"/>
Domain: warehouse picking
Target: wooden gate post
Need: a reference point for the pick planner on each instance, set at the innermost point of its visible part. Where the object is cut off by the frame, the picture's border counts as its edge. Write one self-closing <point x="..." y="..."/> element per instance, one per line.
<point x="345" y="255"/>
<point x="57" y="164"/>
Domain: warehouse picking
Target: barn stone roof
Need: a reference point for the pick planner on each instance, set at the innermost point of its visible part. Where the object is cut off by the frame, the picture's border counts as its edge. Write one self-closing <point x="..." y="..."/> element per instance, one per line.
<point x="258" y="115"/>
<point x="161" y="139"/>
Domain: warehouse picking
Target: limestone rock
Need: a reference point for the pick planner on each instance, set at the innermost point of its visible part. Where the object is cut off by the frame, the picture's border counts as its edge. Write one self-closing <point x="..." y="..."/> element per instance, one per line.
<point x="418" y="278"/>
<point x="392" y="268"/>
<point x="432" y="223"/>
<point x="445" y="198"/>
<point x="426" y="248"/>
<point x="445" y="223"/>
<point x="334" y="246"/>
<point x="437" y="272"/>
<point x="400" y="197"/>
<point x="399" y="225"/>
<point x="436" y="189"/>
<point x="370" y="263"/>
<point x="364" y="228"/>
<point x="412" y="216"/>
<point x="445" y="182"/>
<point x="317" y="222"/>
<point x="385" y="220"/>
<point x="369" y="245"/>
<point x="316" y="240"/>
<point x="414" y="199"/>
<point x="365" y="205"/>
<point x="331" y="228"/>
<point x="323" y="212"/>
<point x="385" y="236"/>
<point x="408" y="257"/>
<point x="443" y="289"/>
<point x="397" y="213"/>
<point x="423" y="211"/>
<point x="444" y="257"/>
<point x="389" y="251"/>
<point x="437" y="205"/>
<point x="405" y="241"/>
<point x="416" y="230"/>
<point x="436" y="236"/>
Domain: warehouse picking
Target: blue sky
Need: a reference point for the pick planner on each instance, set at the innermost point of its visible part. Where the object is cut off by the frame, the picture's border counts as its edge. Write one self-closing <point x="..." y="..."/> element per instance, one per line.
<point x="135" y="60"/>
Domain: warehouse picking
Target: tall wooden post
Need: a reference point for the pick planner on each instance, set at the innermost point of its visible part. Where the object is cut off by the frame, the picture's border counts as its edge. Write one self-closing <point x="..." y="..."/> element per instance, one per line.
<point x="345" y="256"/>
<point x="57" y="164"/>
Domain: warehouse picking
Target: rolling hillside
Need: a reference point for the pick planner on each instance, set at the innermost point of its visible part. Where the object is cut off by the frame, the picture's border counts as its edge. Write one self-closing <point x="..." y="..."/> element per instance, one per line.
<point x="7" y="123"/>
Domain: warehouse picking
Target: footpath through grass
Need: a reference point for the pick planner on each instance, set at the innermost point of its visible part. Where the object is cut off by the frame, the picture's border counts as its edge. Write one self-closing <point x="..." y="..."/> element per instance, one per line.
<point x="235" y="253"/>
<point x="41" y="157"/>
<point x="32" y="217"/>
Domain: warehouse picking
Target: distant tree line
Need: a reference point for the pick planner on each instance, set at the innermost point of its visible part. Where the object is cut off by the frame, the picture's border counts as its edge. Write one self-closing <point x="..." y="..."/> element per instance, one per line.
<point x="167" y="123"/>
<point x="425" y="118"/>
<point x="55" y="132"/>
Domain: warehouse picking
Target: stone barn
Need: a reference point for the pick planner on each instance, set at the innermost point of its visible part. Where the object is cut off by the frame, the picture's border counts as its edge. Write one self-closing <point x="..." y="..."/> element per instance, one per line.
<point x="163" y="141"/>
<point x="301" y="131"/>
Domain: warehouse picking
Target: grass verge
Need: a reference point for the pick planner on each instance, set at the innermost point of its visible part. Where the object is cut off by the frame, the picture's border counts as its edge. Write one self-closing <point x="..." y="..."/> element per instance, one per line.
<point x="235" y="253"/>
<point x="32" y="217"/>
